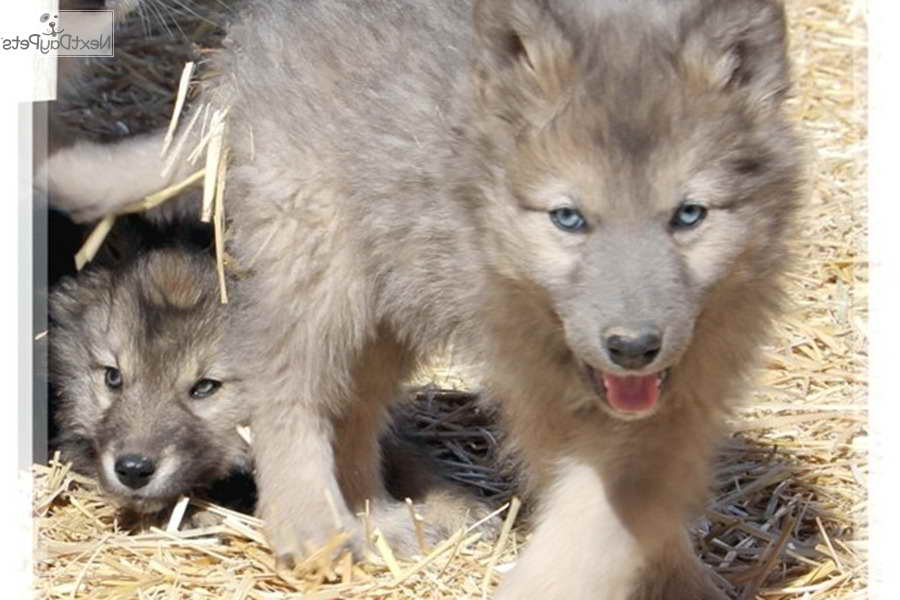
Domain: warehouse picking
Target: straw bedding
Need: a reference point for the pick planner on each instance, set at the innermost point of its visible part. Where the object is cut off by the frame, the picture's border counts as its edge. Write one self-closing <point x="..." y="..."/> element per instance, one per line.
<point x="787" y="519"/>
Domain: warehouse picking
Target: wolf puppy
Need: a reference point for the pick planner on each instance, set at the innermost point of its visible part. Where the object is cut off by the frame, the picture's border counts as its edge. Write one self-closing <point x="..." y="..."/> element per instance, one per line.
<point x="148" y="398"/>
<point x="590" y="197"/>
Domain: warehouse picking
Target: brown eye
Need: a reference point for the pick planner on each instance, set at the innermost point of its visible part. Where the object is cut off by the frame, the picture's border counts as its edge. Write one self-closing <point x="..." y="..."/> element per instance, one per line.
<point x="113" y="378"/>
<point x="205" y="388"/>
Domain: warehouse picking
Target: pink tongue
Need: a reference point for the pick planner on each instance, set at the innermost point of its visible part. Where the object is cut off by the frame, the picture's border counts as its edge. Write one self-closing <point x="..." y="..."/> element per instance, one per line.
<point x="631" y="394"/>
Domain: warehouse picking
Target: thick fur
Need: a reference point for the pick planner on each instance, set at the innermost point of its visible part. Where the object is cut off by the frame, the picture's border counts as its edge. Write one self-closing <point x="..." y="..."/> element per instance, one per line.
<point x="399" y="198"/>
<point x="86" y="180"/>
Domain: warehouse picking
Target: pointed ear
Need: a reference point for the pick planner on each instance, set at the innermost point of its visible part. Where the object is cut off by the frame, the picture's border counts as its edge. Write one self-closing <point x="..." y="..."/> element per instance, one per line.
<point x="63" y="302"/>
<point x="524" y="57"/>
<point x="72" y="295"/>
<point x="740" y="46"/>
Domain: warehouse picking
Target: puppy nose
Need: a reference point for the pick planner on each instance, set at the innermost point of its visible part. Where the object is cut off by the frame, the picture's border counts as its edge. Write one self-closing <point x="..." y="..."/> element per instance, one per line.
<point x="135" y="470"/>
<point x="634" y="350"/>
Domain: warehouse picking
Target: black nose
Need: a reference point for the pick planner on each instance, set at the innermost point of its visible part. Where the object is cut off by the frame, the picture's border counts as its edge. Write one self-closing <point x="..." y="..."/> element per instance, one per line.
<point x="135" y="470"/>
<point x="634" y="351"/>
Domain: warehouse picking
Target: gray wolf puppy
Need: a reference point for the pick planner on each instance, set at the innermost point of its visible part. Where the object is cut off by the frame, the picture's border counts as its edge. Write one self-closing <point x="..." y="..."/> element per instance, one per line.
<point x="148" y="398"/>
<point x="591" y="197"/>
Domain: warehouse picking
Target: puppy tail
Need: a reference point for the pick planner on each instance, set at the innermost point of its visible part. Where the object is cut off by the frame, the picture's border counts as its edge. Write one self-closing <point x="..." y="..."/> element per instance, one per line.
<point x="89" y="181"/>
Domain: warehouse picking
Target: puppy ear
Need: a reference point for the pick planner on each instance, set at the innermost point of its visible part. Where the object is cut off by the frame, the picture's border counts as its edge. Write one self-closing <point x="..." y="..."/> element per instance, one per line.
<point x="71" y="296"/>
<point x="740" y="46"/>
<point x="525" y="59"/>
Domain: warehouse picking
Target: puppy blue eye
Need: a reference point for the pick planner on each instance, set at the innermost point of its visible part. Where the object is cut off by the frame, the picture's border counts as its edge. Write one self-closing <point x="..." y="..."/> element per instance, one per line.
<point x="688" y="215"/>
<point x="205" y="388"/>
<point x="568" y="219"/>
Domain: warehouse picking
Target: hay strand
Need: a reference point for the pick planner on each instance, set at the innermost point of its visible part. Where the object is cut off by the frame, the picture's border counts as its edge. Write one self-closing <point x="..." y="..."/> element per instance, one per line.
<point x="183" y="84"/>
<point x="514" y="507"/>
<point x="92" y="244"/>
<point x="219" y="226"/>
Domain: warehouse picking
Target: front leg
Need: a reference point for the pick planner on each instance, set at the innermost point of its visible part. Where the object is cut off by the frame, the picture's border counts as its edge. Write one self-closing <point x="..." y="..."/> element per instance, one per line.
<point x="299" y="496"/>
<point x="298" y="335"/>
<point x="675" y="573"/>
<point x="581" y="549"/>
<point x="587" y="547"/>
<point x="614" y="499"/>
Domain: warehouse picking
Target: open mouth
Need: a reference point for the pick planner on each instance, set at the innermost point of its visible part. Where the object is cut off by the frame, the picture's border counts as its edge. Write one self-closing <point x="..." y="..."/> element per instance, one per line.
<point x="629" y="394"/>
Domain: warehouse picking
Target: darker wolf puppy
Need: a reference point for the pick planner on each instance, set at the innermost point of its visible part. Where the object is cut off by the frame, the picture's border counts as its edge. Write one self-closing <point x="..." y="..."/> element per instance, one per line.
<point x="591" y="197"/>
<point x="147" y="398"/>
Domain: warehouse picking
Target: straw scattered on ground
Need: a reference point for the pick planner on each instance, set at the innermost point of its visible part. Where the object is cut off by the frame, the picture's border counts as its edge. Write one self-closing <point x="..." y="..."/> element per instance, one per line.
<point x="787" y="520"/>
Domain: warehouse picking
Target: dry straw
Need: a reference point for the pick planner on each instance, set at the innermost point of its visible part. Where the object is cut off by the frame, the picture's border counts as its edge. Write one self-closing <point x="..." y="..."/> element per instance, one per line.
<point x="787" y="520"/>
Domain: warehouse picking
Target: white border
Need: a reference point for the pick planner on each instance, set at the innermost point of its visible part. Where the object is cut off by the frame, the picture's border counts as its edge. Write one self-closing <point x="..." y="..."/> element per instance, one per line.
<point x="24" y="80"/>
<point x="15" y="354"/>
<point x="884" y="299"/>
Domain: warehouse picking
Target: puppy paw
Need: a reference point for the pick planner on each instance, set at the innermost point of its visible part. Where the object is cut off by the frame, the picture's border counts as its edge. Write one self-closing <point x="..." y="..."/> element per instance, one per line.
<point x="431" y="520"/>
<point x="307" y="542"/>
<point x="690" y="581"/>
